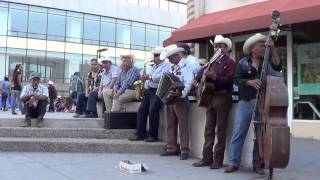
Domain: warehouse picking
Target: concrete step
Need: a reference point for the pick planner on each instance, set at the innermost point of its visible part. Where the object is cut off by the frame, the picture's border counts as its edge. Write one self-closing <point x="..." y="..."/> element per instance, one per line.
<point x="14" y="144"/>
<point x="98" y="133"/>
<point x="59" y="122"/>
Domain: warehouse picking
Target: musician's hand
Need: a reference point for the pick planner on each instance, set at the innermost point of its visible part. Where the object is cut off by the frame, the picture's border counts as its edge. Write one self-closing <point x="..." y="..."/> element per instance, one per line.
<point x="210" y="74"/>
<point x="269" y="43"/>
<point x="145" y="77"/>
<point x="256" y="83"/>
<point x="116" y="95"/>
<point x="175" y="93"/>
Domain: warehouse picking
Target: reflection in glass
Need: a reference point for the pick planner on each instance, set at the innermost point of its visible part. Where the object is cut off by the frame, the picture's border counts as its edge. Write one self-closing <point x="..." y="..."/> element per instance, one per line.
<point x="151" y="37"/>
<point x="56" y="27"/>
<point x="85" y="66"/>
<point x="37" y="25"/>
<point x="74" y="29"/>
<point x="2" y="65"/>
<point x="138" y="37"/>
<point x="3" y="20"/>
<point x="18" y="21"/>
<point x="108" y="32"/>
<point x="72" y="65"/>
<point x="123" y="35"/>
<point x="35" y="62"/>
<point x="55" y="67"/>
<point x="91" y="31"/>
<point x="163" y="35"/>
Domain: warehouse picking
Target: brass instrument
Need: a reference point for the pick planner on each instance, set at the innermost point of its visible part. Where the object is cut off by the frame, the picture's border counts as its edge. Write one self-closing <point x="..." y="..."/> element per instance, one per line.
<point x="139" y="85"/>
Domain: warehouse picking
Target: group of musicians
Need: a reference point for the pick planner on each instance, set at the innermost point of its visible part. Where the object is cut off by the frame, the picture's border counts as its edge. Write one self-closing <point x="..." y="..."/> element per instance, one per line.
<point x="223" y="72"/>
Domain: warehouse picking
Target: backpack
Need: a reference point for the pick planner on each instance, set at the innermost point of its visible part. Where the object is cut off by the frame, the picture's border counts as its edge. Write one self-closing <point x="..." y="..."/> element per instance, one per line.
<point x="76" y="83"/>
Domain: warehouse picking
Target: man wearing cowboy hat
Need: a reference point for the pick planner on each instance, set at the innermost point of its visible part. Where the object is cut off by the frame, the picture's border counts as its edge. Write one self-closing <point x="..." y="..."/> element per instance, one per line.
<point x="151" y="103"/>
<point x="246" y="78"/>
<point x="221" y="73"/>
<point x="52" y="95"/>
<point x="35" y="97"/>
<point x="191" y="60"/>
<point x="123" y="90"/>
<point x="177" y="113"/>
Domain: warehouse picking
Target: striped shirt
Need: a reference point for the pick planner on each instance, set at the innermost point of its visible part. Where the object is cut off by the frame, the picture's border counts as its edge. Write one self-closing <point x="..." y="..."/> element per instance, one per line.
<point x="156" y="72"/>
<point x="107" y="75"/>
<point x="40" y="90"/>
<point x="126" y="80"/>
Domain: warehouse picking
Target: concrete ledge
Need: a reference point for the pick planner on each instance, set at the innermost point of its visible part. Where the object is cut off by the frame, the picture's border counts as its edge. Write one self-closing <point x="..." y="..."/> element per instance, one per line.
<point x="130" y="107"/>
<point x="306" y="129"/>
<point x="98" y="133"/>
<point x="78" y="145"/>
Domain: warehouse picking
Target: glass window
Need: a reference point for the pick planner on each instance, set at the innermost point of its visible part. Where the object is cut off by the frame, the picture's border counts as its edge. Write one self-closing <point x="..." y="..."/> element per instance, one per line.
<point x="173" y="6"/>
<point x="74" y="29"/>
<point x="56" y="27"/>
<point x="138" y="36"/>
<point x="151" y="37"/>
<point x="143" y="2"/>
<point x="164" y="4"/>
<point x="3" y="20"/>
<point x="154" y="3"/>
<point x="163" y="35"/>
<point x="16" y="56"/>
<point x="91" y="31"/>
<point x="35" y="62"/>
<point x="85" y="66"/>
<point x="55" y="67"/>
<point x="182" y="9"/>
<point x="18" y="21"/>
<point x="2" y="63"/>
<point x="18" y="6"/>
<point x="107" y="33"/>
<point x="72" y="65"/>
<point x="133" y="1"/>
<point x="123" y="35"/>
<point x="37" y="25"/>
<point x="3" y="4"/>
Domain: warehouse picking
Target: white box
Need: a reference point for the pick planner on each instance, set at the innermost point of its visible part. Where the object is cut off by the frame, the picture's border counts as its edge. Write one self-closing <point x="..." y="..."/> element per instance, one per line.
<point x="131" y="166"/>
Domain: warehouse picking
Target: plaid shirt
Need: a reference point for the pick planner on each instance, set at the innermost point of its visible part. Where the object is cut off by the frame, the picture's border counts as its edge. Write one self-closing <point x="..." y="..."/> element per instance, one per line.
<point x="41" y="90"/>
<point x="126" y="80"/>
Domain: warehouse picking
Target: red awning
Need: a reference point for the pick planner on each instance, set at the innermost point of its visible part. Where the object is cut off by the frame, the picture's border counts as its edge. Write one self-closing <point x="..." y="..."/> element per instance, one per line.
<point x="247" y="18"/>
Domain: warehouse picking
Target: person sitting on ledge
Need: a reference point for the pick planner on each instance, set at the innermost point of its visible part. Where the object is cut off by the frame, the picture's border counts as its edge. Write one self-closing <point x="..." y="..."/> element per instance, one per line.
<point x="35" y="98"/>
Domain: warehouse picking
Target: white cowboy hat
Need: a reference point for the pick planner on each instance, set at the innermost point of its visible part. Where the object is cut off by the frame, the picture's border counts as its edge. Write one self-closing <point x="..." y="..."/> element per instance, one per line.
<point x="50" y="82"/>
<point x="104" y="58"/>
<point x="173" y="49"/>
<point x="223" y="40"/>
<point x="251" y="40"/>
<point x="157" y="50"/>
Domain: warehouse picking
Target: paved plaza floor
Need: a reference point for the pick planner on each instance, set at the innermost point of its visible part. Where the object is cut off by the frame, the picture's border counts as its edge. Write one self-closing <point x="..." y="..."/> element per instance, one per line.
<point x="304" y="164"/>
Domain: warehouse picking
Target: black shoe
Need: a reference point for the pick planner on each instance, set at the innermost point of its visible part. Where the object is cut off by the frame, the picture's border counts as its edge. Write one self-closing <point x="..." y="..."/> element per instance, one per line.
<point x="136" y="138"/>
<point x="89" y="116"/>
<point x="27" y="122"/>
<point x="151" y="139"/>
<point x="201" y="163"/>
<point x="258" y="170"/>
<point x="216" y="166"/>
<point x="170" y="153"/>
<point x="184" y="155"/>
<point x="14" y="113"/>
<point x="231" y="169"/>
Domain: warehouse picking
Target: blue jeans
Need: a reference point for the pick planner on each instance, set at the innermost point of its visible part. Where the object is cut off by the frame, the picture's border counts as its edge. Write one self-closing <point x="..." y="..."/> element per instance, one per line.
<point x="16" y="101"/>
<point x="81" y="103"/>
<point x="92" y="102"/>
<point x="240" y="129"/>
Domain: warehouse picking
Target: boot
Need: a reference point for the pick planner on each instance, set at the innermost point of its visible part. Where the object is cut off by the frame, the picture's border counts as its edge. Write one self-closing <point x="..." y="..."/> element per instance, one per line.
<point x="40" y="122"/>
<point x="27" y="122"/>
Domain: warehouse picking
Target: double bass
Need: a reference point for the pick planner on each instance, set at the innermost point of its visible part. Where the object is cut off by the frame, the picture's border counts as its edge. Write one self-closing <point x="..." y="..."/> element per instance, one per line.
<point x="272" y="133"/>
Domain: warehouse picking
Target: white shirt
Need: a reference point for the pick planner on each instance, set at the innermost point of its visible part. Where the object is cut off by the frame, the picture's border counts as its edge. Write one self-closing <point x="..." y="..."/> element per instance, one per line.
<point x="156" y="72"/>
<point x="41" y="90"/>
<point x="194" y="64"/>
<point x="183" y="71"/>
<point x="106" y="76"/>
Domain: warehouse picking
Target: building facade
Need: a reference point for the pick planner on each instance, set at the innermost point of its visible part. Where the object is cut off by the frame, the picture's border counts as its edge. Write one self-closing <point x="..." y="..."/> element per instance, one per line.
<point x="57" y="38"/>
<point x="298" y="46"/>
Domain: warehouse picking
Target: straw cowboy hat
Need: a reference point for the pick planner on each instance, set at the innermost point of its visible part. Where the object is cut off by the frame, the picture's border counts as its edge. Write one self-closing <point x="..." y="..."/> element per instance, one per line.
<point x="173" y="49"/>
<point x="251" y="40"/>
<point x="220" y="39"/>
<point x="133" y="57"/>
<point x="50" y="82"/>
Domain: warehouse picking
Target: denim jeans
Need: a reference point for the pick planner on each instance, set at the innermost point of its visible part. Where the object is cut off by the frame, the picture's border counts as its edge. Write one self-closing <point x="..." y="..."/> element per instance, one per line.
<point x="81" y="103"/>
<point x="240" y="129"/>
<point x="16" y="101"/>
<point x="92" y="101"/>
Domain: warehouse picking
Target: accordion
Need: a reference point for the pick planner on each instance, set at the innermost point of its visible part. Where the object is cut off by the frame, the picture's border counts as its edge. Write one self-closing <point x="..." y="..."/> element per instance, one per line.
<point x="167" y="83"/>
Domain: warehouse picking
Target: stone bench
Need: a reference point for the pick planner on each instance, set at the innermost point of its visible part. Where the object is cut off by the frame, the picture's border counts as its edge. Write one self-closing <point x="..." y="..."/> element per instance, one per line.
<point x="130" y="107"/>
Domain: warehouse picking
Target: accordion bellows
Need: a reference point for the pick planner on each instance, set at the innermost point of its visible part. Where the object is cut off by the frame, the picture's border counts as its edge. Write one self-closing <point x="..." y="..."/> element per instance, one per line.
<point x="168" y="82"/>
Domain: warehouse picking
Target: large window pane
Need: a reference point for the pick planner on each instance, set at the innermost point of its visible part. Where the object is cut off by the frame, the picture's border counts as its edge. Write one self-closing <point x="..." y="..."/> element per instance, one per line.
<point x="138" y="36"/>
<point x="2" y="63"/>
<point x="123" y="36"/>
<point x="163" y="35"/>
<point x="55" y="67"/>
<point x="151" y="37"/>
<point x="164" y="4"/>
<point x="18" y="21"/>
<point x="91" y="31"/>
<point x="35" y="62"/>
<point x="85" y="66"/>
<point x="72" y="65"/>
<point x="37" y="25"/>
<point x="56" y="27"/>
<point x="3" y="20"/>
<point x="16" y="56"/>
<point x="154" y="3"/>
<point x="108" y="33"/>
<point x="74" y="29"/>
